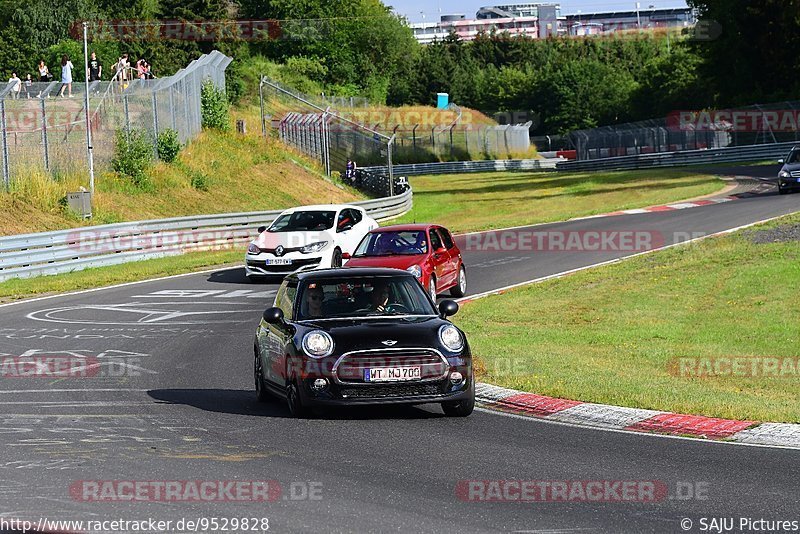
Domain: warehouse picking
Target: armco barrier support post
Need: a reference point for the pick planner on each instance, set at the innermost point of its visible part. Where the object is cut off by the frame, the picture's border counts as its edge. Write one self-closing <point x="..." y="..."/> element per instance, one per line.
<point x="261" y="106"/>
<point x="127" y="115"/>
<point x="6" y="177"/>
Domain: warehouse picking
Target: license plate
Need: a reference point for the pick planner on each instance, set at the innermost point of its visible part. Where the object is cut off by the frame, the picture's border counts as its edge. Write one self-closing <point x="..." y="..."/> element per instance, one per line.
<point x="279" y="261"/>
<point x="798" y="180"/>
<point x="392" y="374"/>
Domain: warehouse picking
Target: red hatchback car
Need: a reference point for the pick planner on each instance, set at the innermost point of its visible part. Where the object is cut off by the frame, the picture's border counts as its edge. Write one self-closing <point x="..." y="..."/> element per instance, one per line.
<point x="426" y="250"/>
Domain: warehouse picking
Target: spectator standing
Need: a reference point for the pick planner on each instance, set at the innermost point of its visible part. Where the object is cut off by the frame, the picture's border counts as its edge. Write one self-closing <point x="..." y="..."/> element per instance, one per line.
<point x="44" y="72"/>
<point x="95" y="69"/>
<point x="66" y="75"/>
<point x="140" y="68"/>
<point x="28" y="86"/>
<point x="122" y="65"/>
<point x="16" y="85"/>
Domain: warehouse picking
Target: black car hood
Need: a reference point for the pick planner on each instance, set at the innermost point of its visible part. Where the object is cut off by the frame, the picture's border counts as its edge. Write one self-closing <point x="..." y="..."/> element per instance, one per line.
<point x="398" y="332"/>
<point x="789" y="167"/>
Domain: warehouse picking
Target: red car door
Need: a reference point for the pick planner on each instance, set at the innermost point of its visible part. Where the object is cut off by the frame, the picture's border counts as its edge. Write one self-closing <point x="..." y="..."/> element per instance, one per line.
<point x="454" y="255"/>
<point x="440" y="259"/>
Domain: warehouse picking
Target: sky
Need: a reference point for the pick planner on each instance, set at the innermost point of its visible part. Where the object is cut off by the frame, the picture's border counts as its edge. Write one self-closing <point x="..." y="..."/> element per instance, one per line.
<point x="432" y="8"/>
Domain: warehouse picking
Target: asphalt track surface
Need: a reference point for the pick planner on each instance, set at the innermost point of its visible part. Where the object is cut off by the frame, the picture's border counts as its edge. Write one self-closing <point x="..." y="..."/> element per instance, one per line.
<point x="173" y="401"/>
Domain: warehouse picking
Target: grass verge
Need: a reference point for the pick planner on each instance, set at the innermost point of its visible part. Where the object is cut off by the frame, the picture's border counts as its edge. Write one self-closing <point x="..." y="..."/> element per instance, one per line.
<point x="21" y="288"/>
<point x="468" y="202"/>
<point x="617" y="334"/>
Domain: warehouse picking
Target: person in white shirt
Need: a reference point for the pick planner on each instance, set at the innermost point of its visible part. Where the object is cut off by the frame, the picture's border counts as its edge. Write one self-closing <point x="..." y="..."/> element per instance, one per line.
<point x="66" y="75"/>
<point x="16" y="85"/>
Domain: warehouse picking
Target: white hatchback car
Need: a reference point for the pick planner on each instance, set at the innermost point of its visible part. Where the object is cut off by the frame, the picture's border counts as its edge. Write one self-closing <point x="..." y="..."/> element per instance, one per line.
<point x="307" y="237"/>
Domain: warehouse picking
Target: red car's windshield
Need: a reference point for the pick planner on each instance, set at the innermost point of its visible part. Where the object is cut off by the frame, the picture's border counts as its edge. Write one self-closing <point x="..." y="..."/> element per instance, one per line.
<point x="392" y="243"/>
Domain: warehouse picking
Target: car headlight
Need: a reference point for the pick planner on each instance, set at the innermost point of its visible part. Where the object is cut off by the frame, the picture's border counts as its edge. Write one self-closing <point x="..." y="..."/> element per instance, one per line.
<point x="318" y="344"/>
<point x="451" y="338"/>
<point x="314" y="247"/>
<point x="416" y="270"/>
<point x="253" y="249"/>
<point x="784" y="174"/>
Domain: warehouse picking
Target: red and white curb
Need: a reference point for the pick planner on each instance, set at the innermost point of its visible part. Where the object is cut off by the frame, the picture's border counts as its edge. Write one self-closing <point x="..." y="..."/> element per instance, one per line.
<point x="605" y="416"/>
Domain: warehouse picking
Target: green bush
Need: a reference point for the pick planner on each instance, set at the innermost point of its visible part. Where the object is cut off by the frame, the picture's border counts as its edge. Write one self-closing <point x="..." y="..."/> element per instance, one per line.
<point x="133" y="155"/>
<point x="200" y="180"/>
<point x="214" y="107"/>
<point x="168" y="145"/>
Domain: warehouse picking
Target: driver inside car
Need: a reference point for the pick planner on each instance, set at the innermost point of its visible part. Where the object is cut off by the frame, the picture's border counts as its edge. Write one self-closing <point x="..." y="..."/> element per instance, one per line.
<point x="378" y="298"/>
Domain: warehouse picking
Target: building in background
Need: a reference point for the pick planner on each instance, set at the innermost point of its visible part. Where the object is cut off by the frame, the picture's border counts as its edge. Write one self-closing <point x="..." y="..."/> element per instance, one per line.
<point x="542" y="20"/>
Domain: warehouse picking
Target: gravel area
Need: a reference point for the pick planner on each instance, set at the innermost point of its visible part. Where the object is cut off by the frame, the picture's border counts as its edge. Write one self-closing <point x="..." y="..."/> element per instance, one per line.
<point x="781" y="234"/>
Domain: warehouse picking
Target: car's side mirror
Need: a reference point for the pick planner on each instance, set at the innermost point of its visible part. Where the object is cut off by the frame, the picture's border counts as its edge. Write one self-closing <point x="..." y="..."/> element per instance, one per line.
<point x="345" y="255"/>
<point x="440" y="250"/>
<point x="345" y="228"/>
<point x="262" y="229"/>
<point x="448" y="308"/>
<point x="273" y="315"/>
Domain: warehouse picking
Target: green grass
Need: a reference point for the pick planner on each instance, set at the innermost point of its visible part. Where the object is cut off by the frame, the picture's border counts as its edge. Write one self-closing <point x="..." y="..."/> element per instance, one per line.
<point x="468" y="202"/>
<point x="609" y="334"/>
<point x="117" y="274"/>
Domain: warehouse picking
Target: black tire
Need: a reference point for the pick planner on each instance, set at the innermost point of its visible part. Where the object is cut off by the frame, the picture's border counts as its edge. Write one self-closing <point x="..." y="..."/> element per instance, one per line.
<point x="460" y="289"/>
<point x="459" y="409"/>
<point x="336" y="260"/>
<point x="254" y="279"/>
<point x="295" y="403"/>
<point x="432" y="288"/>
<point x="782" y="191"/>
<point x="258" y="374"/>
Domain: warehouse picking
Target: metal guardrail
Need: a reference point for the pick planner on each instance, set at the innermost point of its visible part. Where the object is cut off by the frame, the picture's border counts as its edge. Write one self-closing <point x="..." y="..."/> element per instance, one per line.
<point x="682" y="158"/>
<point x="458" y="167"/>
<point x="28" y="255"/>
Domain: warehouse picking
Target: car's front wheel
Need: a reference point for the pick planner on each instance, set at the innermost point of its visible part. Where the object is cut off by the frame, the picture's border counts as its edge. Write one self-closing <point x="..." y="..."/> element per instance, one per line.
<point x="460" y="289"/>
<point x="459" y="409"/>
<point x="258" y="372"/>
<point x="295" y="402"/>
<point x="432" y="287"/>
<point x="783" y="190"/>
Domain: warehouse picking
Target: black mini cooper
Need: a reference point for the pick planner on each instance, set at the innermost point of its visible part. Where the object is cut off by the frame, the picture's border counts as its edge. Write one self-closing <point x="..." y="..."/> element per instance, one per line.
<point x="339" y="337"/>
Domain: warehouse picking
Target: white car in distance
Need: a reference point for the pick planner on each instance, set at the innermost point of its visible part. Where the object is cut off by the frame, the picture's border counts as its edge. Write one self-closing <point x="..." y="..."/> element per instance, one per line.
<point x="307" y="237"/>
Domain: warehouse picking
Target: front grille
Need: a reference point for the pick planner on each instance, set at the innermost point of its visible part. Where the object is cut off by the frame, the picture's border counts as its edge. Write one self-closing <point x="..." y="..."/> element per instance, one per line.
<point x="350" y="369"/>
<point x="296" y="264"/>
<point x="391" y="391"/>
<point x="795" y="174"/>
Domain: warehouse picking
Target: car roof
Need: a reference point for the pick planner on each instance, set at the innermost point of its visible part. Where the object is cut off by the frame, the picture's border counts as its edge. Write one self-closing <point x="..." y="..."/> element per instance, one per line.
<point x="320" y="207"/>
<point x="404" y="227"/>
<point x="348" y="272"/>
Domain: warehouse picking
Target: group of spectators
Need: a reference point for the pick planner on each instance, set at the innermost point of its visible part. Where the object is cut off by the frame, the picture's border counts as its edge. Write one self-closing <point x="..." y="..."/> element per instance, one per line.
<point x="123" y="72"/>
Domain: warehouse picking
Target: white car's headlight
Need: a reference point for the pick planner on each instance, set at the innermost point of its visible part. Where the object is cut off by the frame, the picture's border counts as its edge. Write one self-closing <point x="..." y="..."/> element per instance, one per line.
<point x="451" y="338"/>
<point x="416" y="270"/>
<point x="253" y="249"/>
<point x="318" y="344"/>
<point x="314" y="247"/>
<point x="784" y="174"/>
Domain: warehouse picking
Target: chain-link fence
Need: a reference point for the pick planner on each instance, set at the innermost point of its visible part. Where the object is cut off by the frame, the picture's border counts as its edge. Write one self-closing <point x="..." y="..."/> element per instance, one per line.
<point x="337" y="143"/>
<point x="692" y="130"/>
<point x="462" y="143"/>
<point x="43" y="125"/>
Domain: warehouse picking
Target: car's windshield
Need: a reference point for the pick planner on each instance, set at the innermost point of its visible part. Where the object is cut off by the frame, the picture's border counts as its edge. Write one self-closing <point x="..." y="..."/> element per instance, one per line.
<point x="389" y="243"/>
<point x="794" y="157"/>
<point x="362" y="297"/>
<point x="303" y="220"/>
